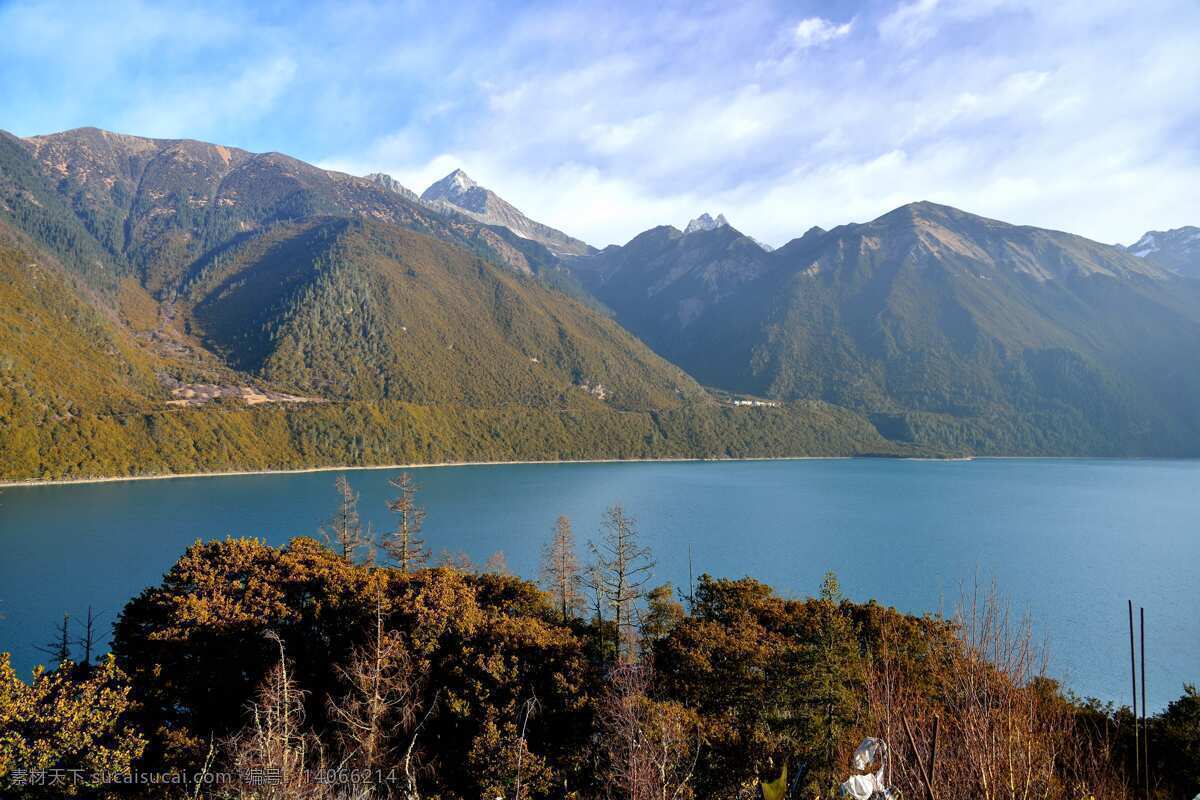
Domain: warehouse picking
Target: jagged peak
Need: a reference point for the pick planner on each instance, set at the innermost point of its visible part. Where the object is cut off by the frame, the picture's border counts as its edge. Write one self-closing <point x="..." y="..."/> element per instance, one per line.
<point x="705" y="222"/>
<point x="455" y="183"/>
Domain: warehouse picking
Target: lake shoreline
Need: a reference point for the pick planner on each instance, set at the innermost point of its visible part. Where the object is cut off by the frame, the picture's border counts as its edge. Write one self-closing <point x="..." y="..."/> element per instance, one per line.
<point x="430" y="465"/>
<point x="680" y="460"/>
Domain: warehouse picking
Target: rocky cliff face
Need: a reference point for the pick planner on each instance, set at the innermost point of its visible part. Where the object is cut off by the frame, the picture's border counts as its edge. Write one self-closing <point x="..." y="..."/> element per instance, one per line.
<point x="392" y="185"/>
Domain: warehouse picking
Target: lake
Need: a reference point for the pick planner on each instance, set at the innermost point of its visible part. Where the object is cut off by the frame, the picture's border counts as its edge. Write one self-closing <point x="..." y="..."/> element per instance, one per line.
<point x="1067" y="540"/>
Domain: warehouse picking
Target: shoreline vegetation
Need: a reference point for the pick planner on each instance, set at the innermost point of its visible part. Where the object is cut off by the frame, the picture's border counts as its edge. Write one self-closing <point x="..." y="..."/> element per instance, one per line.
<point x="356" y="659"/>
<point x="434" y="465"/>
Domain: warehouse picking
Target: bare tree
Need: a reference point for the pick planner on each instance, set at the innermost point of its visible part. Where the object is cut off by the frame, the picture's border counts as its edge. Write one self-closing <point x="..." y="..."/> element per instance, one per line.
<point x="414" y="723"/>
<point x="592" y="580"/>
<point x="1003" y="731"/>
<point x="624" y="567"/>
<point x="1011" y="732"/>
<point x="496" y="564"/>
<point x="273" y="751"/>
<point x="528" y="709"/>
<point x="560" y="570"/>
<point x="384" y="710"/>
<point x="380" y="689"/>
<point x="404" y="544"/>
<point x="650" y="747"/>
<point x="459" y="562"/>
<point x="344" y="533"/>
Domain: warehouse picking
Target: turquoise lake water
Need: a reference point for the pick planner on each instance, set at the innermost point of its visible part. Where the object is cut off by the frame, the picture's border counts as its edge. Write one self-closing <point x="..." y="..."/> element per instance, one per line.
<point x="1069" y="541"/>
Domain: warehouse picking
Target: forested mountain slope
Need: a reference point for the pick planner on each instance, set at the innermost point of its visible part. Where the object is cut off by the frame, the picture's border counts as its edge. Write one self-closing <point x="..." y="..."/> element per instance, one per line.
<point x="172" y="305"/>
<point x="353" y="309"/>
<point x="60" y="354"/>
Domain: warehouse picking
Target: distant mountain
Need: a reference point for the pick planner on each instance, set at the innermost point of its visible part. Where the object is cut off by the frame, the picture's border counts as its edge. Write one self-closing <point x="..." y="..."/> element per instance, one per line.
<point x="458" y="191"/>
<point x="663" y="280"/>
<point x="948" y="328"/>
<point x="1177" y="250"/>
<point x="175" y="304"/>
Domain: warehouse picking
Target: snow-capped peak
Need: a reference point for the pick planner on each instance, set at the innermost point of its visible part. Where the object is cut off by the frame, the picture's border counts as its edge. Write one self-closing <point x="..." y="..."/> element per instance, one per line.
<point x="706" y="223"/>
<point x="1144" y="246"/>
<point x="461" y="180"/>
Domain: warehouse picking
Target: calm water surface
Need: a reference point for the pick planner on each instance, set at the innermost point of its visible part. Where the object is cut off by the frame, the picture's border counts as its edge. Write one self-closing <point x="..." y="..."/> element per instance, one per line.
<point x="1068" y="541"/>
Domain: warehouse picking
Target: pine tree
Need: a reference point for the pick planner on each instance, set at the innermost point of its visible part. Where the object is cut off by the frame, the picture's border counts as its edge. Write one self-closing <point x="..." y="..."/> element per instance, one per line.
<point x="59" y="648"/>
<point x="560" y="570"/>
<point x="835" y="669"/>
<point x="624" y="566"/>
<point x="88" y="638"/>
<point x="403" y="544"/>
<point x="345" y="533"/>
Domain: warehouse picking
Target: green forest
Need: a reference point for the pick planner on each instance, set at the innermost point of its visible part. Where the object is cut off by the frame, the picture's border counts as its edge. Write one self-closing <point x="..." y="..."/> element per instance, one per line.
<point x="233" y="437"/>
<point x="357" y="665"/>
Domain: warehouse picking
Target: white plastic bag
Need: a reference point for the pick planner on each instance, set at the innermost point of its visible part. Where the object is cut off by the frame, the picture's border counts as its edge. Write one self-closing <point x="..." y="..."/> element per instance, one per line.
<point x="869" y="785"/>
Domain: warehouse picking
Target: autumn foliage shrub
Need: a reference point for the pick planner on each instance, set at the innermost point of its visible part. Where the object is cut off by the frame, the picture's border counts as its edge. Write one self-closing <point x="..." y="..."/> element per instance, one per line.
<point x="446" y="683"/>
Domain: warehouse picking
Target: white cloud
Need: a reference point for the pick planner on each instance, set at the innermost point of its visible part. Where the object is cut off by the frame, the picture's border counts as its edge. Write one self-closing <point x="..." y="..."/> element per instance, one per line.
<point x="202" y="107"/>
<point x="911" y="24"/>
<point x="604" y="126"/>
<point x="816" y="31"/>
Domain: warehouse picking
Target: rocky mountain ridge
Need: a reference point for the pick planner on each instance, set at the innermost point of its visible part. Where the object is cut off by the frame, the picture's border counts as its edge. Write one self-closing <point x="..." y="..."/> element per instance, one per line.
<point x="1177" y="250"/>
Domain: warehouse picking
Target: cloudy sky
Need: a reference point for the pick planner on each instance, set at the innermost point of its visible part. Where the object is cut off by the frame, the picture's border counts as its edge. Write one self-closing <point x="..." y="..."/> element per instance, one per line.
<point x="605" y="119"/>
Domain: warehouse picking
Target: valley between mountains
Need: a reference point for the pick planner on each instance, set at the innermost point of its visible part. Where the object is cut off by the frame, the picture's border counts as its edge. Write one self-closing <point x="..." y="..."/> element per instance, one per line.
<point x="174" y="306"/>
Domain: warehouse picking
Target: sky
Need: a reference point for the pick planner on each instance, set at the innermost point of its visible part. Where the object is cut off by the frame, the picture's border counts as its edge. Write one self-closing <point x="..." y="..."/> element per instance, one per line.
<point x="605" y="119"/>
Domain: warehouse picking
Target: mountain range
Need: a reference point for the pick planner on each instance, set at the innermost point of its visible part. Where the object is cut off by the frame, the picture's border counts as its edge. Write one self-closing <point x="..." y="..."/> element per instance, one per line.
<point x="945" y="328"/>
<point x="175" y="305"/>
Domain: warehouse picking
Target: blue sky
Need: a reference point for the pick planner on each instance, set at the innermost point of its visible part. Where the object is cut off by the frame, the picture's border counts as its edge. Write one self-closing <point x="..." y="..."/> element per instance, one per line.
<point x="607" y="118"/>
